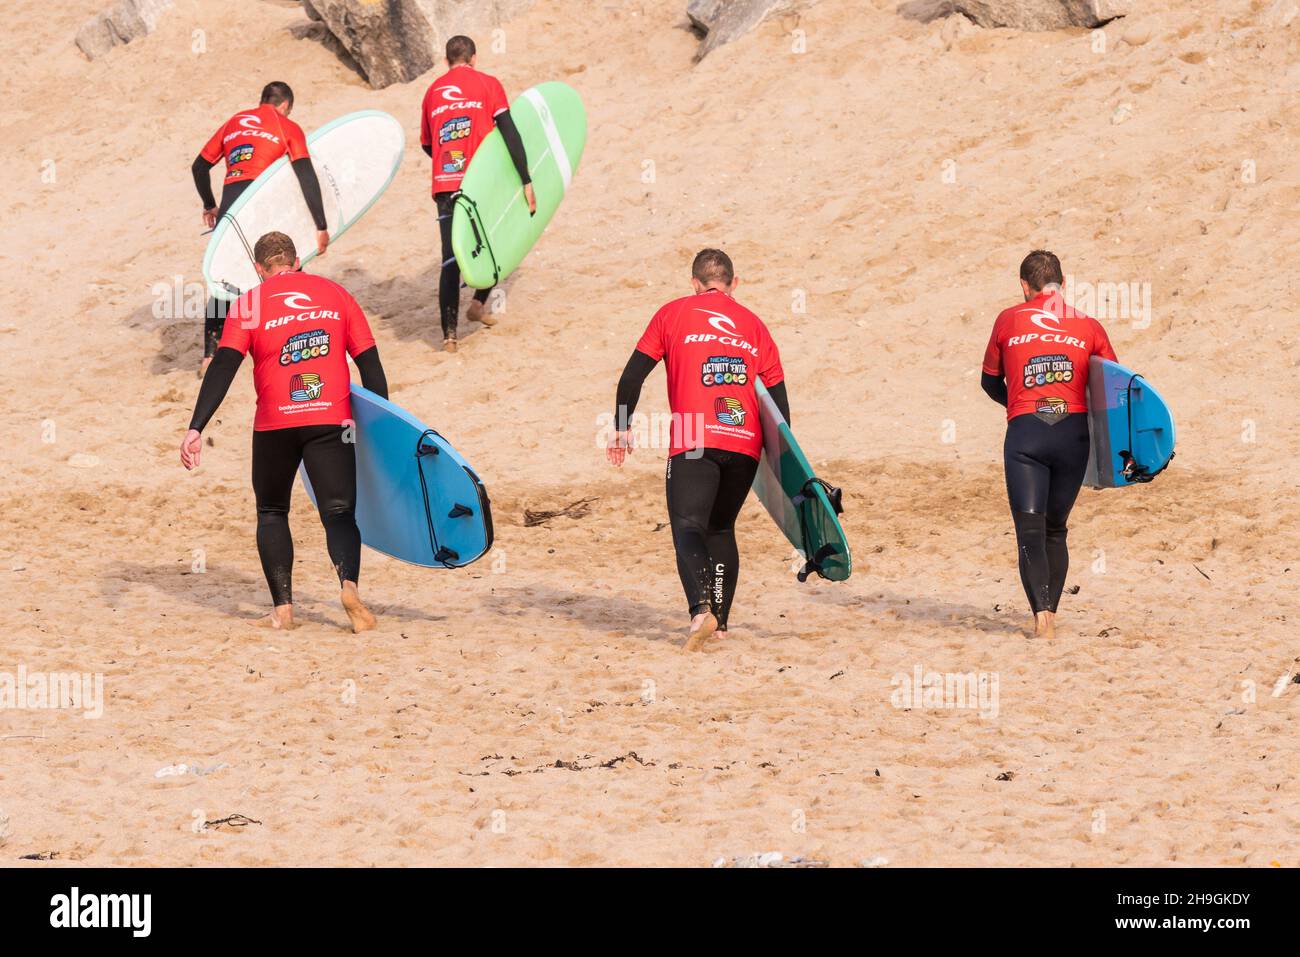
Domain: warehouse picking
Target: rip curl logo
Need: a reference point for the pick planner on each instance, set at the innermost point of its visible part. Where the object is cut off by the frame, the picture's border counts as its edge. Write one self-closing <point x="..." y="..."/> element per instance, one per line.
<point x="1045" y="321"/>
<point x="1051" y="325"/>
<point x="454" y="99"/>
<point x="729" y="411"/>
<point x="724" y="324"/>
<point x="251" y="125"/>
<point x="305" y="387"/>
<point x="295" y="300"/>
<point x="306" y="309"/>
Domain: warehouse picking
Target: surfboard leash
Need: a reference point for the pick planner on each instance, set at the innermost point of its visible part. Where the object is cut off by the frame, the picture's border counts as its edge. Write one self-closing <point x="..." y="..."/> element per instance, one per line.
<point x="243" y="241"/>
<point x="442" y="555"/>
<point x="480" y="233"/>
<point x="1133" y="470"/>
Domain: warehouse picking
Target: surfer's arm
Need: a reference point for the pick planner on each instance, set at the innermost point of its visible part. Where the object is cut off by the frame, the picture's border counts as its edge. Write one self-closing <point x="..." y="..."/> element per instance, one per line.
<point x="202" y="169"/>
<point x="639" y="365"/>
<point x="216" y="383"/>
<point x="306" y="174"/>
<point x="372" y="372"/>
<point x="514" y="145"/>
<point x="995" y="386"/>
<point x="778" y="394"/>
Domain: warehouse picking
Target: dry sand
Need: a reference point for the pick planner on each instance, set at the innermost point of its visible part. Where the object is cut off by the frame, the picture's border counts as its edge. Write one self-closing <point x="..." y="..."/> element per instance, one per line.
<point x="537" y="708"/>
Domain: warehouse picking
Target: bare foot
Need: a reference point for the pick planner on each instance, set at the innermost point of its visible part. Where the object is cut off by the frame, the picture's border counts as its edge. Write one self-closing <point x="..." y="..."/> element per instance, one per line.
<point x="478" y="312"/>
<point x="702" y="626"/>
<point x="358" y="613"/>
<point x="1045" y="624"/>
<point x="448" y="345"/>
<point x="281" y="618"/>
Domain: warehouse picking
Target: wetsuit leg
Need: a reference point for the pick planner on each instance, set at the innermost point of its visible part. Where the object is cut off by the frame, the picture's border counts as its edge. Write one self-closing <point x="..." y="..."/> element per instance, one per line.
<point x="332" y="467"/>
<point x="276" y="454"/>
<point x="214" y="313"/>
<point x="1068" y="468"/>
<point x="692" y="484"/>
<point x="705" y="494"/>
<point x="737" y="476"/>
<point x="1044" y="463"/>
<point x="449" y="275"/>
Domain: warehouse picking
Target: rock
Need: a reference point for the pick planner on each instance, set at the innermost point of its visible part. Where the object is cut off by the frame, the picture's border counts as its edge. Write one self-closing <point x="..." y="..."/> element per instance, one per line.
<point x="926" y="10"/>
<point x="953" y="29"/>
<point x="1042" y="14"/>
<point x="721" y="21"/>
<point x="1122" y="114"/>
<point x="395" y="41"/>
<point x="121" y="23"/>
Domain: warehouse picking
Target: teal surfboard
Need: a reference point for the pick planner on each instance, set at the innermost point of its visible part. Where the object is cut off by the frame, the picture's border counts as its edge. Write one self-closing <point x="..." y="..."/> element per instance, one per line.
<point x="418" y="500"/>
<point x="804" y="507"/>
<point x="355" y="156"/>
<point x="491" y="229"/>
<point x="1132" y="427"/>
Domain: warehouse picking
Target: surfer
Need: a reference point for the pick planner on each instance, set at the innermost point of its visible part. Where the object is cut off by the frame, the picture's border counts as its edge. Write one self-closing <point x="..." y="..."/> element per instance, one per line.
<point x="299" y="329"/>
<point x="459" y="110"/>
<point x="712" y="348"/>
<point x="1036" y="365"/>
<point x="250" y="141"/>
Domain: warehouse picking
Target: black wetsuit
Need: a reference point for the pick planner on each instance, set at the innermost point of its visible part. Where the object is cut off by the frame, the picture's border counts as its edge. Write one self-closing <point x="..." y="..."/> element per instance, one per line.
<point x="214" y="316"/>
<point x="1045" y="457"/>
<point x="449" y="274"/>
<point x="706" y="489"/>
<point x="330" y="459"/>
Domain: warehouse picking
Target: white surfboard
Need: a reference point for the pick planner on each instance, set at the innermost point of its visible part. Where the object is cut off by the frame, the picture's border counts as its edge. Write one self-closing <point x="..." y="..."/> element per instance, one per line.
<point x="356" y="157"/>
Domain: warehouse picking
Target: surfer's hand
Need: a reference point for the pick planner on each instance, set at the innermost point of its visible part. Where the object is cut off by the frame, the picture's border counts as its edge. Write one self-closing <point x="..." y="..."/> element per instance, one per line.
<point x="619" y="447"/>
<point x="191" y="449"/>
<point x="210" y="217"/>
<point x="322" y="241"/>
<point x="532" y="199"/>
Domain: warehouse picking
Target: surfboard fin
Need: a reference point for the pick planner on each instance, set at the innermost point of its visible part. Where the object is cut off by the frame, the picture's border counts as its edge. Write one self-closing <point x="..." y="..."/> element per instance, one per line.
<point x="446" y="555"/>
<point x="814" y="564"/>
<point x="460" y="511"/>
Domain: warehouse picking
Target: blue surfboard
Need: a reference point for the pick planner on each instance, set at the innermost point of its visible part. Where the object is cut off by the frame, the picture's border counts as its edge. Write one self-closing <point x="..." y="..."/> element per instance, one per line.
<point x="418" y="500"/>
<point x="1132" y="427"/>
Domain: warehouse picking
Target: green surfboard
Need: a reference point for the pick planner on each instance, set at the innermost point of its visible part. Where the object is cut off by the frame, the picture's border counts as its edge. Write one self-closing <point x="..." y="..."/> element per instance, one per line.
<point x="491" y="230"/>
<point x="800" y="503"/>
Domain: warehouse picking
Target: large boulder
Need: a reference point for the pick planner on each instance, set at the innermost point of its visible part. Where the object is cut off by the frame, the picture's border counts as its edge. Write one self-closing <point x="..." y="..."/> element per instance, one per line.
<point x="1042" y="14"/>
<point x="721" y="21"/>
<point x="121" y="23"/>
<point x="394" y="41"/>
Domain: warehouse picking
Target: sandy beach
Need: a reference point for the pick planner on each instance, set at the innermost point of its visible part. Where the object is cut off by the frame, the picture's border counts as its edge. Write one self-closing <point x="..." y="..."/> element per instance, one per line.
<point x="877" y="193"/>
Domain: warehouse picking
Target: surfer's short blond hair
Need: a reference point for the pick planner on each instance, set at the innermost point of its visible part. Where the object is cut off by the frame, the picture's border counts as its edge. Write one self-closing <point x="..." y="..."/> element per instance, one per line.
<point x="275" y="249"/>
